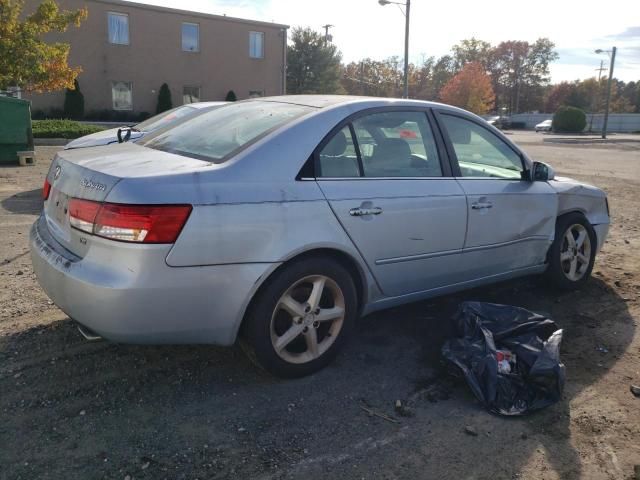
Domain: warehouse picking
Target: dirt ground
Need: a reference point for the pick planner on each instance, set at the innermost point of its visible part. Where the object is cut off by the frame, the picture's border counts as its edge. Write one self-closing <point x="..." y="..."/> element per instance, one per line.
<point x="72" y="409"/>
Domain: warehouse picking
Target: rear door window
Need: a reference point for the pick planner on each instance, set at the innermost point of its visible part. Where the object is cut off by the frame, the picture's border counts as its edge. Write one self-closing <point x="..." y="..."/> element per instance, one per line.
<point x="397" y="144"/>
<point x="339" y="158"/>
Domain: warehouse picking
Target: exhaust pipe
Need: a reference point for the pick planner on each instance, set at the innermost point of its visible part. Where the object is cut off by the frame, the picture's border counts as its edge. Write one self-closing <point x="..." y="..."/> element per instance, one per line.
<point x="90" y="335"/>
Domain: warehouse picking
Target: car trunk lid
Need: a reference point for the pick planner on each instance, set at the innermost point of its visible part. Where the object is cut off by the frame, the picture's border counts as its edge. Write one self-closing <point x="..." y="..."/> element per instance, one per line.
<point x="90" y="174"/>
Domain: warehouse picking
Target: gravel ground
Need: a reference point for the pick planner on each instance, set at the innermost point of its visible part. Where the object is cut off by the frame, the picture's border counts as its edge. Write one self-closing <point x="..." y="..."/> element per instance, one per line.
<point x="72" y="409"/>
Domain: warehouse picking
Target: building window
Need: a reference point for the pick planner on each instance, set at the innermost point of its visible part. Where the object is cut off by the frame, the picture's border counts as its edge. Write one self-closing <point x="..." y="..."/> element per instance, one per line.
<point x="190" y="37"/>
<point x="118" y="28"/>
<point x="121" y="95"/>
<point x="190" y="94"/>
<point x="256" y="93"/>
<point x="256" y="44"/>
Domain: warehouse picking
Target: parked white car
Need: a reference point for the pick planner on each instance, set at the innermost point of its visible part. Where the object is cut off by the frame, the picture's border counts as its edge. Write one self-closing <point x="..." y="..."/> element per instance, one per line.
<point x="544" y="126"/>
<point x="133" y="133"/>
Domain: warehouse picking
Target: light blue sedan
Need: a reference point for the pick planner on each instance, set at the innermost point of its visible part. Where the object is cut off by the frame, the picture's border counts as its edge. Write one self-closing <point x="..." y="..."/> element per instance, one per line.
<point x="281" y="220"/>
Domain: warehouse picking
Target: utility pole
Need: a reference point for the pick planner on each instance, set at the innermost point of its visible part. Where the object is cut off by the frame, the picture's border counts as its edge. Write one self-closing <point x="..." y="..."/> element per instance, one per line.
<point x="327" y="37"/>
<point x="606" y="109"/>
<point x="406" y="49"/>
<point x="612" y="54"/>
<point x="407" y="21"/>
<point x="599" y="70"/>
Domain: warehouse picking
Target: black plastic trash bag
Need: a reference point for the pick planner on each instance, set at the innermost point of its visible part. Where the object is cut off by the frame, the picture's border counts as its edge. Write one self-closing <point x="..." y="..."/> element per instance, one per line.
<point x="490" y="335"/>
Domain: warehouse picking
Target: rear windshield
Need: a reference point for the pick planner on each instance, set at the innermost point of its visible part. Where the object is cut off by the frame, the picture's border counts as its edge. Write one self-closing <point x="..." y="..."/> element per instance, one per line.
<point x="165" y="119"/>
<point x="221" y="133"/>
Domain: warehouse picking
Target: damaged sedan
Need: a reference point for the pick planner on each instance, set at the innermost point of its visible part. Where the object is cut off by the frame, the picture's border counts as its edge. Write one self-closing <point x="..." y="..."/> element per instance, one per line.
<point x="278" y="221"/>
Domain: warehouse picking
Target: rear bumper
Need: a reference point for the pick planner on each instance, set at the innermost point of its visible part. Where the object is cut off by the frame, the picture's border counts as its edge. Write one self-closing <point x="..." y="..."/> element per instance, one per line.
<point x="129" y="294"/>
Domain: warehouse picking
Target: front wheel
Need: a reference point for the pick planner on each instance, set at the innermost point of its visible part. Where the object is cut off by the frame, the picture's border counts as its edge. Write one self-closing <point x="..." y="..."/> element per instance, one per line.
<point x="573" y="251"/>
<point x="300" y="320"/>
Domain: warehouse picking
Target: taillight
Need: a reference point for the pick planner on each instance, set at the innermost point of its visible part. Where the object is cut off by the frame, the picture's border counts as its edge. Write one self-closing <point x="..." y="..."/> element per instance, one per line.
<point x="82" y="214"/>
<point x="46" y="189"/>
<point x="129" y="223"/>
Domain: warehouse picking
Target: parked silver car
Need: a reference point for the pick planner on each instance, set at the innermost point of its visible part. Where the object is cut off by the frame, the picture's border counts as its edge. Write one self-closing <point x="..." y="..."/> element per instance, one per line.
<point x="281" y="220"/>
<point x="134" y="133"/>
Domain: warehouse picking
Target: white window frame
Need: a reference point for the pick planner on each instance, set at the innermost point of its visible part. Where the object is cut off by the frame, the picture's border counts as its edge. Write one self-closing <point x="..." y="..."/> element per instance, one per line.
<point x="113" y="100"/>
<point x="191" y="86"/>
<point x="118" y="14"/>
<point x="197" y="25"/>
<point x="251" y="46"/>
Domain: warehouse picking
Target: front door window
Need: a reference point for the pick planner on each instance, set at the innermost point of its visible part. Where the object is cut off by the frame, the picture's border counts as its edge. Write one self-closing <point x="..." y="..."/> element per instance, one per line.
<point x="480" y="153"/>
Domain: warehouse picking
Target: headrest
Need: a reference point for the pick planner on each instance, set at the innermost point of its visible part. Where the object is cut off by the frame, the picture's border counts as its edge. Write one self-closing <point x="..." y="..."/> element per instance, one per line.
<point x="336" y="146"/>
<point x="392" y="148"/>
<point x="459" y="133"/>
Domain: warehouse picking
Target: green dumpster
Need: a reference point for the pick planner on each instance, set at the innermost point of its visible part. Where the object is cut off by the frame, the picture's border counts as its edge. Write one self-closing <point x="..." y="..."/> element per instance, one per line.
<point x="15" y="128"/>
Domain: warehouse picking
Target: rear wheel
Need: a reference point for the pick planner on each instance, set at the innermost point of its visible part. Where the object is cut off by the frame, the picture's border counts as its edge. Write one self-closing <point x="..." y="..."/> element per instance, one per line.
<point x="573" y="251"/>
<point x="301" y="319"/>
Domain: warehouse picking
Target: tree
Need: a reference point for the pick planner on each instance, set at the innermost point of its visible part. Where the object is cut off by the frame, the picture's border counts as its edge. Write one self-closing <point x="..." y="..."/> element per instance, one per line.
<point x="231" y="96"/>
<point x="443" y="71"/>
<point x="557" y="96"/>
<point x="632" y="93"/>
<point x="420" y="85"/>
<point x="378" y="78"/>
<point x="74" y="102"/>
<point x="472" y="50"/>
<point x="164" y="99"/>
<point x="620" y="103"/>
<point x="27" y="61"/>
<point x="520" y="71"/>
<point x="313" y="64"/>
<point x="470" y="89"/>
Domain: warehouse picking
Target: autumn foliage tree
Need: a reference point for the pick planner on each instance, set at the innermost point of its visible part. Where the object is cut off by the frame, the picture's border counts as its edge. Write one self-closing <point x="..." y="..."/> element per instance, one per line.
<point x="470" y="89"/>
<point x="26" y="60"/>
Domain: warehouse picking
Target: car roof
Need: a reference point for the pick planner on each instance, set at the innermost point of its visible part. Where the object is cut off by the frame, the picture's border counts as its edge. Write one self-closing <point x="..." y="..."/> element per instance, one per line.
<point x="205" y="104"/>
<point x="324" y="101"/>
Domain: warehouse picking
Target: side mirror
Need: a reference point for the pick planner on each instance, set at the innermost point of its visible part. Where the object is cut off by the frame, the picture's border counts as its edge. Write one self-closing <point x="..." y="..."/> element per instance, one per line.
<point x="541" y="172"/>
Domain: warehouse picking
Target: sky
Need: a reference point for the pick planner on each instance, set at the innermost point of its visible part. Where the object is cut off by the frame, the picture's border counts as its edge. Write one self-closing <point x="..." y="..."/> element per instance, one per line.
<point x="362" y="28"/>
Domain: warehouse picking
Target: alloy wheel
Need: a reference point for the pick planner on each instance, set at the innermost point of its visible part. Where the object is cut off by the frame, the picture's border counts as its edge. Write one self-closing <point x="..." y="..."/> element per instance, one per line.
<point x="575" y="253"/>
<point x="307" y="319"/>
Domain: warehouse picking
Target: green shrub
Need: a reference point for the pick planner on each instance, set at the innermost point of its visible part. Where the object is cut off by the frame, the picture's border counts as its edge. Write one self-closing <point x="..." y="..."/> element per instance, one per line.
<point x="164" y="99"/>
<point x="74" y="102"/>
<point x="231" y="96"/>
<point x="569" y="120"/>
<point x="62" y="129"/>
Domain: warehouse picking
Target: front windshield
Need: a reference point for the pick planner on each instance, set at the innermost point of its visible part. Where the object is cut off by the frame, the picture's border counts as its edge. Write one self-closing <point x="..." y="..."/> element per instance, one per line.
<point x="220" y="133"/>
<point x="165" y="119"/>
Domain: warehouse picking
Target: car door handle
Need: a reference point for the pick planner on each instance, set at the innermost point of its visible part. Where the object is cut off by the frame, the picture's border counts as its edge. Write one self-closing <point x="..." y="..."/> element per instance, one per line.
<point x="481" y="205"/>
<point x="360" y="212"/>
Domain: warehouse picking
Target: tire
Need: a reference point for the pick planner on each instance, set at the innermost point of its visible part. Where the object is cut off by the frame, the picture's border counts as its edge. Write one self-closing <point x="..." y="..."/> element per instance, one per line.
<point x="570" y="265"/>
<point x="288" y="314"/>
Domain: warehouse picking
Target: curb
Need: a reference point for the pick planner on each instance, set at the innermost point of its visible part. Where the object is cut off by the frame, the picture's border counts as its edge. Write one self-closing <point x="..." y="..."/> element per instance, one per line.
<point x="50" y="142"/>
<point x="591" y="141"/>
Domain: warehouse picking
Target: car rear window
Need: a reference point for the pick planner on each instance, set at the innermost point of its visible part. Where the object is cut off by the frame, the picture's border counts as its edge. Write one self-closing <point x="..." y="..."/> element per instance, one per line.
<point x="221" y="133"/>
<point x="164" y="119"/>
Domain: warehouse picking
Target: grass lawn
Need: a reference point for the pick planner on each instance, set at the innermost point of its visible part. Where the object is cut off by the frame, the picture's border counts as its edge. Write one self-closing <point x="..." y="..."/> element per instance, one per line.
<point x="62" y="129"/>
